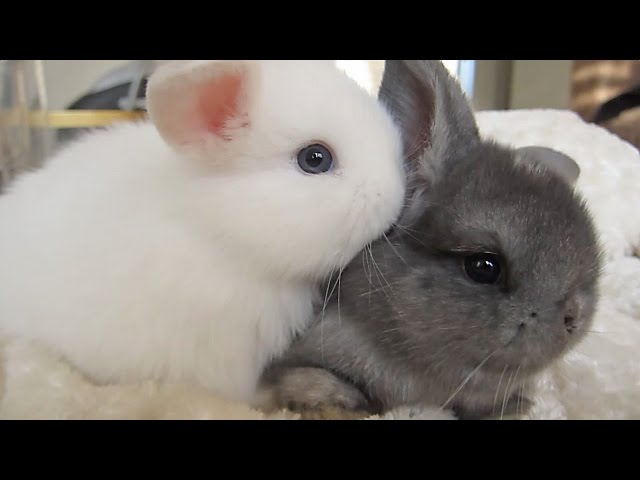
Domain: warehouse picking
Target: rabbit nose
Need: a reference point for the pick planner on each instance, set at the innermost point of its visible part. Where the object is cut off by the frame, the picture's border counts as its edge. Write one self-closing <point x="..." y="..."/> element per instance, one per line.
<point x="569" y="322"/>
<point x="572" y="314"/>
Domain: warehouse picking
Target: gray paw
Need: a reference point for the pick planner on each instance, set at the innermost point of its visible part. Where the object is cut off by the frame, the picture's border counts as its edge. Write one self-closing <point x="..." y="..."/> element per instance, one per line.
<point x="304" y="389"/>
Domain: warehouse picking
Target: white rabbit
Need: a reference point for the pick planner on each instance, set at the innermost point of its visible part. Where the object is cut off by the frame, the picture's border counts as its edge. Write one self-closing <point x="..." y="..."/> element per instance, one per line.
<point x="189" y="248"/>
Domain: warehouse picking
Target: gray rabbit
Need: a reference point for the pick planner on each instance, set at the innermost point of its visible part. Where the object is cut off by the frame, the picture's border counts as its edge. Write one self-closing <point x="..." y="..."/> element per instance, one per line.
<point x="489" y="276"/>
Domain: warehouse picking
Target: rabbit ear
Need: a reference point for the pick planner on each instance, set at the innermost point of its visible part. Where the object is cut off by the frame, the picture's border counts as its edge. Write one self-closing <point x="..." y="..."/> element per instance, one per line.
<point x="201" y="106"/>
<point x="558" y="163"/>
<point x="410" y="99"/>
<point x="433" y="112"/>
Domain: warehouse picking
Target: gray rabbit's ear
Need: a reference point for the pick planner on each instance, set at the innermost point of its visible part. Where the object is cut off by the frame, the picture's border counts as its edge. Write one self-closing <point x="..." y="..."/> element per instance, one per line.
<point x="409" y="96"/>
<point x="559" y="163"/>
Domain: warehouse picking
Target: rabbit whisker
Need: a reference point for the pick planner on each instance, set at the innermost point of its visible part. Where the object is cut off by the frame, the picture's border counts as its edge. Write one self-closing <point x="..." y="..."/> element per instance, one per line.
<point x="466" y="380"/>
<point x="495" y="399"/>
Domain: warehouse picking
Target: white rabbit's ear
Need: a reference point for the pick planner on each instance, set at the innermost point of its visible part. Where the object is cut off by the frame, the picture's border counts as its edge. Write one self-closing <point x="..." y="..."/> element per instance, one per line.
<point x="201" y="106"/>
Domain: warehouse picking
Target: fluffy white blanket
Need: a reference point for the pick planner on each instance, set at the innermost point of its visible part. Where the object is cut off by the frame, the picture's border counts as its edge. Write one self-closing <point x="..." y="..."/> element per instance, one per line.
<point x="600" y="379"/>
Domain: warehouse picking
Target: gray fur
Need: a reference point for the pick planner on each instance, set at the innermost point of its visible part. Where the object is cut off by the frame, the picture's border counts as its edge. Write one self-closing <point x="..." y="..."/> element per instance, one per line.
<point x="405" y="325"/>
<point x="558" y="162"/>
<point x="429" y="136"/>
<point x="308" y="388"/>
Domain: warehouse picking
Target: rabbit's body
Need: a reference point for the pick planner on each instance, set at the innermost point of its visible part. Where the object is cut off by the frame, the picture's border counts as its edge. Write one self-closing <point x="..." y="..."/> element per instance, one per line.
<point x="143" y="259"/>
<point x="490" y="276"/>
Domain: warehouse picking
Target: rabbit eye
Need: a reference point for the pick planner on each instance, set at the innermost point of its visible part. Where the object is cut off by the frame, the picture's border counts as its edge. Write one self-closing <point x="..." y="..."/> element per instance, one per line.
<point x="315" y="159"/>
<point x="483" y="267"/>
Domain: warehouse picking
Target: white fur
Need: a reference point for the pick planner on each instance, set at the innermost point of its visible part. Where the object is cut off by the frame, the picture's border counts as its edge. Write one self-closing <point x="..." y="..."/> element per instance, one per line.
<point x="358" y="70"/>
<point x="140" y="261"/>
<point x="599" y="380"/>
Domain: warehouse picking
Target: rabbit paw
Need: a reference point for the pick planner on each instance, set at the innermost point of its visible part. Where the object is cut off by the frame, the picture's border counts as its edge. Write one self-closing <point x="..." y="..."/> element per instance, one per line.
<point x="315" y="393"/>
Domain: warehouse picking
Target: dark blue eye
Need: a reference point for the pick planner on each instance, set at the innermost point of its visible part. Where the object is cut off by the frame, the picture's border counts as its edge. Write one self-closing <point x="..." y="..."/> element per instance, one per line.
<point x="483" y="267"/>
<point x="315" y="159"/>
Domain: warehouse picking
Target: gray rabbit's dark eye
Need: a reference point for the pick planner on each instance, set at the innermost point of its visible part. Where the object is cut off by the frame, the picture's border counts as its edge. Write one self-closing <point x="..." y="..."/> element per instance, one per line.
<point x="315" y="159"/>
<point x="483" y="267"/>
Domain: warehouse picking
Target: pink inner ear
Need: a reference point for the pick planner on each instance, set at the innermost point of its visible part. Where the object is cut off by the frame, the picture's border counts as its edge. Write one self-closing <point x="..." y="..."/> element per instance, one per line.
<point x="219" y="103"/>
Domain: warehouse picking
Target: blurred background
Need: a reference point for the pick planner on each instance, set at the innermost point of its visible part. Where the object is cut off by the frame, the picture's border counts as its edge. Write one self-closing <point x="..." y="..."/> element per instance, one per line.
<point x="45" y="103"/>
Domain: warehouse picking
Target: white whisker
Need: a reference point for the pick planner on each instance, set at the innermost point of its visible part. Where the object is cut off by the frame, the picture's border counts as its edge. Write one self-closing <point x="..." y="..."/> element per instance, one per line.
<point x="505" y="397"/>
<point x="394" y="249"/>
<point x="466" y="380"/>
<point x="495" y="399"/>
